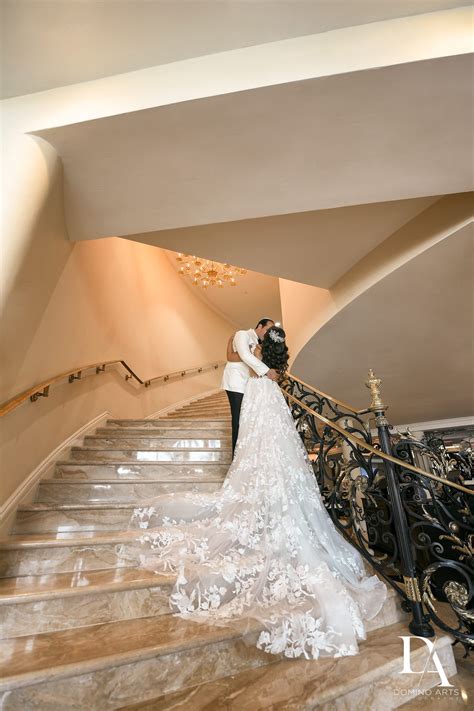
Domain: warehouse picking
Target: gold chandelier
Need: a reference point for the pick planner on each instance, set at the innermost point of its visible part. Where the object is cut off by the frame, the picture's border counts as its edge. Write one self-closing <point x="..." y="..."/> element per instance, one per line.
<point x="206" y="273"/>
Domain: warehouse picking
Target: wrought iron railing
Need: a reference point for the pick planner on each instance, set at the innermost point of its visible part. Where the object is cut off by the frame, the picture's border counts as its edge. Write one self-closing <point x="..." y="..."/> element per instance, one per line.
<point x="415" y="527"/>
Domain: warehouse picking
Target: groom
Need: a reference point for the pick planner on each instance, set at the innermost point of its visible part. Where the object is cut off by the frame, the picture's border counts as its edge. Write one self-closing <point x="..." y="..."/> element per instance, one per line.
<point x="237" y="374"/>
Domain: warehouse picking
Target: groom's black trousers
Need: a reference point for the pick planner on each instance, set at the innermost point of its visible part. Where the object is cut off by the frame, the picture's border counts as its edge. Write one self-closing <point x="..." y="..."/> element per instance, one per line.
<point x="235" y="401"/>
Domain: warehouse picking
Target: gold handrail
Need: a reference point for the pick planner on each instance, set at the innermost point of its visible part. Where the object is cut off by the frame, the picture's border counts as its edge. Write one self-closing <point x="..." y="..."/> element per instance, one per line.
<point x="361" y="443"/>
<point x="200" y="369"/>
<point x="42" y="389"/>
<point x="326" y="396"/>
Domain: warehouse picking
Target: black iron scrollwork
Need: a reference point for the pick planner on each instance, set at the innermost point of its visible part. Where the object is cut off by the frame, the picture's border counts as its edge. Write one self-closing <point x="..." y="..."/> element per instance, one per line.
<point x="417" y="532"/>
<point x="440" y="519"/>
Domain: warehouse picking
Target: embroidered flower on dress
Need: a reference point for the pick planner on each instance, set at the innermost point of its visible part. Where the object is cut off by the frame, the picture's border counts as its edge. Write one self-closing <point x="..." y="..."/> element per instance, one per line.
<point x="264" y="546"/>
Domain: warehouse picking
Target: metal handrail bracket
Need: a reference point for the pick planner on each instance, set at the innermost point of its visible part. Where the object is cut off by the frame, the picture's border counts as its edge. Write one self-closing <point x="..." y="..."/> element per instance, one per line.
<point x="42" y="389"/>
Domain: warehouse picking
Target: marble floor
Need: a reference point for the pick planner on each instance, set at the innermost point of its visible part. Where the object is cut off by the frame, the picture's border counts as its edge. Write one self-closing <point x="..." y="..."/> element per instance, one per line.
<point x="367" y="682"/>
<point x="460" y="697"/>
<point x="85" y="628"/>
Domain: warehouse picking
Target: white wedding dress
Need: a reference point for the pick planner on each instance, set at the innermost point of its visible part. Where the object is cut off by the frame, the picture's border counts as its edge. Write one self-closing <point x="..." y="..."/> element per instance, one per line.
<point x="264" y="548"/>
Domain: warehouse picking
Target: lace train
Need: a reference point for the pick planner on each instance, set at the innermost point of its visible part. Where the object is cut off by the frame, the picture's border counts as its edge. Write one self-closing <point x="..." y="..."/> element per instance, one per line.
<point x="263" y="548"/>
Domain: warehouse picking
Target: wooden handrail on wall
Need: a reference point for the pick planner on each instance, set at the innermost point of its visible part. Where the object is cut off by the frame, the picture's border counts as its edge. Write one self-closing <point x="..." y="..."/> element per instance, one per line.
<point x="42" y="389"/>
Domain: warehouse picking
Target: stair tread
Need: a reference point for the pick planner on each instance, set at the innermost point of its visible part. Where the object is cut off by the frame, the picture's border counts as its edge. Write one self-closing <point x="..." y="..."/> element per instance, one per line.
<point x="131" y="482"/>
<point x="30" y="588"/>
<point x="196" y="418"/>
<point x="137" y="434"/>
<point x="172" y="450"/>
<point x="148" y="434"/>
<point x="165" y="432"/>
<point x="291" y="685"/>
<point x="95" y="462"/>
<point x="41" y="657"/>
<point x="155" y="424"/>
<point x="164" y="419"/>
<point x="72" y="507"/>
<point x="66" y="538"/>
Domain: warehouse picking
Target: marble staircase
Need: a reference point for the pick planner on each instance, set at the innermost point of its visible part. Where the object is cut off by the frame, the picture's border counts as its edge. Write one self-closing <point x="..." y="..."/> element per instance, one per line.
<point x="82" y="626"/>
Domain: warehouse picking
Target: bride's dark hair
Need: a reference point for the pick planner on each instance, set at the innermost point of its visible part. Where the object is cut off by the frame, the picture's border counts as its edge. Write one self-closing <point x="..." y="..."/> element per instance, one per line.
<point x="274" y="349"/>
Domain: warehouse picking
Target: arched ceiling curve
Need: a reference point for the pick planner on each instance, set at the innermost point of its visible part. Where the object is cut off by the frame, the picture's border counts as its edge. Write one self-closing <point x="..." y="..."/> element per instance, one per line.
<point x="423" y="309"/>
<point x="125" y="36"/>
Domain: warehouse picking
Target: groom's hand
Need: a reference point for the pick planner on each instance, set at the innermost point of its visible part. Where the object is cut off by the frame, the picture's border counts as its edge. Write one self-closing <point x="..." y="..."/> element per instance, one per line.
<point x="272" y="374"/>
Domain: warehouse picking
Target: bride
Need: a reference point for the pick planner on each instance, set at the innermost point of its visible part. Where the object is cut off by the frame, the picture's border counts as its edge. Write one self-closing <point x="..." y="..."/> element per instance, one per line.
<point x="264" y="548"/>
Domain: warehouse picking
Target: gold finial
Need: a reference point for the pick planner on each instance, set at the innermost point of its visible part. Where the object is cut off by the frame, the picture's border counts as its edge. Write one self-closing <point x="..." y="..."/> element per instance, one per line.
<point x="373" y="383"/>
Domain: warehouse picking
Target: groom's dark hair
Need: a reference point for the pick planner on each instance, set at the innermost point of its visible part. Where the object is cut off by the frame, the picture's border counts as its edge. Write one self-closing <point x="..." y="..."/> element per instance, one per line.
<point x="264" y="321"/>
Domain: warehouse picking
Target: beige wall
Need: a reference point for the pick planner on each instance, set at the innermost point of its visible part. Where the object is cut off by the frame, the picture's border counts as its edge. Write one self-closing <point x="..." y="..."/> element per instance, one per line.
<point x="386" y="313"/>
<point x="107" y="299"/>
<point x="307" y="308"/>
<point x="67" y="304"/>
<point x="413" y="327"/>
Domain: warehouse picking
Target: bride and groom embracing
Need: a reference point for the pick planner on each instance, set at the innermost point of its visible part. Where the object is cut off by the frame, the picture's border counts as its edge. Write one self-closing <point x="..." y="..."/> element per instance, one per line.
<point x="263" y="548"/>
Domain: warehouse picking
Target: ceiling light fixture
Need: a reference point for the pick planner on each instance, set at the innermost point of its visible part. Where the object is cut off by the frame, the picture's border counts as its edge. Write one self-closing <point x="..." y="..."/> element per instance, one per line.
<point x="206" y="273"/>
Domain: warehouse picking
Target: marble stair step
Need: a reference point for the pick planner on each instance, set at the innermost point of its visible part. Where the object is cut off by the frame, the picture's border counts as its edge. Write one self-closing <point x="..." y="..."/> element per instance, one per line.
<point x="371" y="680"/>
<point x="190" y="433"/>
<point x="113" y="491"/>
<point x="217" y="394"/>
<point x="154" y="442"/>
<point x="202" y="415"/>
<point x="221" y="395"/>
<point x="47" y="603"/>
<point x="224" y="405"/>
<point x="125" y="454"/>
<point x="166" y="423"/>
<point x="105" y="666"/>
<point x="206" y="404"/>
<point x="48" y="518"/>
<point x="66" y="552"/>
<point x="194" y="417"/>
<point x="123" y="470"/>
<point x="111" y="665"/>
<point x="222" y="411"/>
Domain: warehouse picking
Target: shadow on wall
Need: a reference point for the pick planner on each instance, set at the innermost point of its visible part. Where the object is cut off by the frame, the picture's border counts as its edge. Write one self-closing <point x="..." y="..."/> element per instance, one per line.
<point x="41" y="259"/>
<point x="414" y="328"/>
<point x="75" y="303"/>
<point x="306" y="309"/>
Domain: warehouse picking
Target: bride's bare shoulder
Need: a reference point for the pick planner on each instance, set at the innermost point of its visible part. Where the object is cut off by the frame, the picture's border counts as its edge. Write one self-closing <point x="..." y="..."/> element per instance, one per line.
<point x="258" y="351"/>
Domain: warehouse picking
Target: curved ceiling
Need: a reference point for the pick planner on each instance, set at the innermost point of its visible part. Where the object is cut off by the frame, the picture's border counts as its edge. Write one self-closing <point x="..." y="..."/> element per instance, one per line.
<point x="99" y="38"/>
<point x="301" y="172"/>
<point x="425" y="307"/>
<point x="391" y="133"/>
<point x="256" y="296"/>
<point x="316" y="247"/>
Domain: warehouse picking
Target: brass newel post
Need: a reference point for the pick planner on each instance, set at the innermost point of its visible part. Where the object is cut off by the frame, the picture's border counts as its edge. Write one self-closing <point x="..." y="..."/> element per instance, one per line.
<point x="373" y="383"/>
<point x="419" y="625"/>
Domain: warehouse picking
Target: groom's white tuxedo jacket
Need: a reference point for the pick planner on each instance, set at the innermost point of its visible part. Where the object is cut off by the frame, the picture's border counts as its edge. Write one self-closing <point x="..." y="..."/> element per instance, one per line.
<point x="236" y="375"/>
